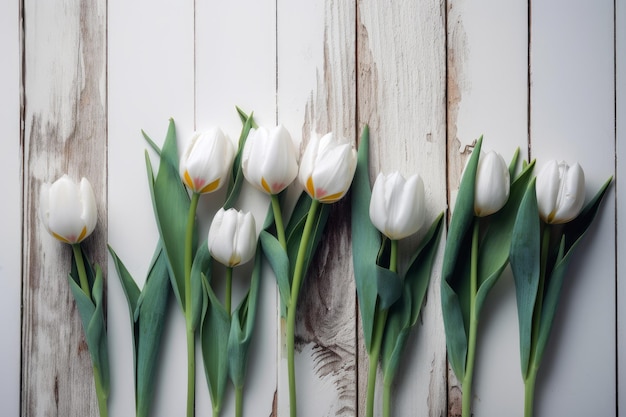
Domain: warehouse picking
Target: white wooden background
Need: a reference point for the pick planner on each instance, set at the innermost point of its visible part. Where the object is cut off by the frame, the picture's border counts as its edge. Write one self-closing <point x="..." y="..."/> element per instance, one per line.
<point x="80" y="79"/>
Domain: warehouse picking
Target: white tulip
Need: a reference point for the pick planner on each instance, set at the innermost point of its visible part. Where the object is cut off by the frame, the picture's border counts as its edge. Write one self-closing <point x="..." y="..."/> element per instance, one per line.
<point x="68" y="210"/>
<point x="397" y="207"/>
<point x="560" y="192"/>
<point x="327" y="167"/>
<point x="269" y="159"/>
<point x="492" y="185"/>
<point x="206" y="163"/>
<point x="232" y="237"/>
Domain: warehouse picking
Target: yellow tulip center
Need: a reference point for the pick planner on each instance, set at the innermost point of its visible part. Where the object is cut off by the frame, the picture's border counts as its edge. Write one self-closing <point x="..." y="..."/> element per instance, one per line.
<point x="320" y="194"/>
<point x="265" y="185"/>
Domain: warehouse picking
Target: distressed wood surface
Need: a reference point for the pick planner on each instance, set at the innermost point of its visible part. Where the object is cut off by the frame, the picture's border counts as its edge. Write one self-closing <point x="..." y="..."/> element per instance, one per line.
<point x="429" y="77"/>
<point x="65" y="132"/>
<point x="317" y="93"/>
<point x="11" y="209"/>
<point x="401" y="91"/>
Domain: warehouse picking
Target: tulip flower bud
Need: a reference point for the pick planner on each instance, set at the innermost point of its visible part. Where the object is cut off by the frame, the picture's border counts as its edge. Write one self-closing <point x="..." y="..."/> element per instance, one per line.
<point x="232" y="237"/>
<point x="397" y="206"/>
<point x="68" y="210"/>
<point x="492" y="185"/>
<point x="560" y="192"/>
<point x="327" y="167"/>
<point x="269" y="159"/>
<point x="206" y="163"/>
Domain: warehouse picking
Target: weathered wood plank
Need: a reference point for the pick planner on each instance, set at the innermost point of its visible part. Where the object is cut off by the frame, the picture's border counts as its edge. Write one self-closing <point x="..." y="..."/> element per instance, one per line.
<point x="316" y="92"/>
<point x="401" y="92"/>
<point x="151" y="78"/>
<point x="620" y="140"/>
<point x="240" y="72"/>
<point x="488" y="95"/>
<point x="573" y="119"/>
<point x="65" y="132"/>
<point x="11" y="209"/>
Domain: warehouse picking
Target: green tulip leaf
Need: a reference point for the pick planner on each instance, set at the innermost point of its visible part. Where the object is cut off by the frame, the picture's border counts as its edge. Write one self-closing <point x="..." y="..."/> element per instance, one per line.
<point x="91" y="311"/>
<point x="171" y="206"/>
<point x="234" y="186"/>
<point x="404" y="313"/>
<point x="201" y="265"/>
<point x="454" y="280"/>
<point x="420" y="267"/>
<point x="214" y="334"/>
<point x="242" y="326"/>
<point x="525" y="254"/>
<point x="147" y="321"/>
<point x="388" y="287"/>
<point x="277" y="257"/>
<point x="397" y="330"/>
<point x="573" y="232"/>
<point x="513" y="164"/>
<point x="152" y="144"/>
<point x="366" y="241"/>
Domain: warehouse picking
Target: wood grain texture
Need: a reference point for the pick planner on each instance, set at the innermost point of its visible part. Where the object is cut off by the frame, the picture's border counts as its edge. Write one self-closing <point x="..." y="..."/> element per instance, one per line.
<point x="488" y="95"/>
<point x="65" y="132"/>
<point x="401" y="91"/>
<point x="11" y="209"/>
<point x="316" y="92"/>
<point x="428" y="76"/>
<point x="573" y="119"/>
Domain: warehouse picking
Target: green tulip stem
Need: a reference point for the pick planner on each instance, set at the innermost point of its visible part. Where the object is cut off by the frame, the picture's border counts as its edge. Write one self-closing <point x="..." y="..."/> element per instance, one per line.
<point x="100" y="392"/>
<point x="293" y="304"/>
<point x="229" y="289"/>
<point x="278" y="221"/>
<point x="387" y="398"/>
<point x="191" y="352"/>
<point x="473" y="325"/>
<point x="80" y="266"/>
<point x="377" y="338"/>
<point x="239" y="401"/>
<point x="533" y="365"/>
<point x="380" y="319"/>
<point x="529" y="391"/>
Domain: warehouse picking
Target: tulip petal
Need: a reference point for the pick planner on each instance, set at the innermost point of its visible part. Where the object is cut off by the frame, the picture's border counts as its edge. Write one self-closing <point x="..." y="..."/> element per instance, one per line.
<point x="207" y="159"/>
<point x="269" y="160"/>
<point x="232" y="237"/>
<point x="571" y="194"/>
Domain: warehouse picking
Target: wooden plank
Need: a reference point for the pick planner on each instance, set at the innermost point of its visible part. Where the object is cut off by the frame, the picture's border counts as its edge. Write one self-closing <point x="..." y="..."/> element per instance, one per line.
<point x="11" y="209"/>
<point x="245" y="76"/>
<point x="488" y="95"/>
<point x="573" y="119"/>
<point x="316" y="92"/>
<point x="65" y="132"/>
<point x="401" y="85"/>
<point x="151" y="78"/>
<point x="620" y="141"/>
